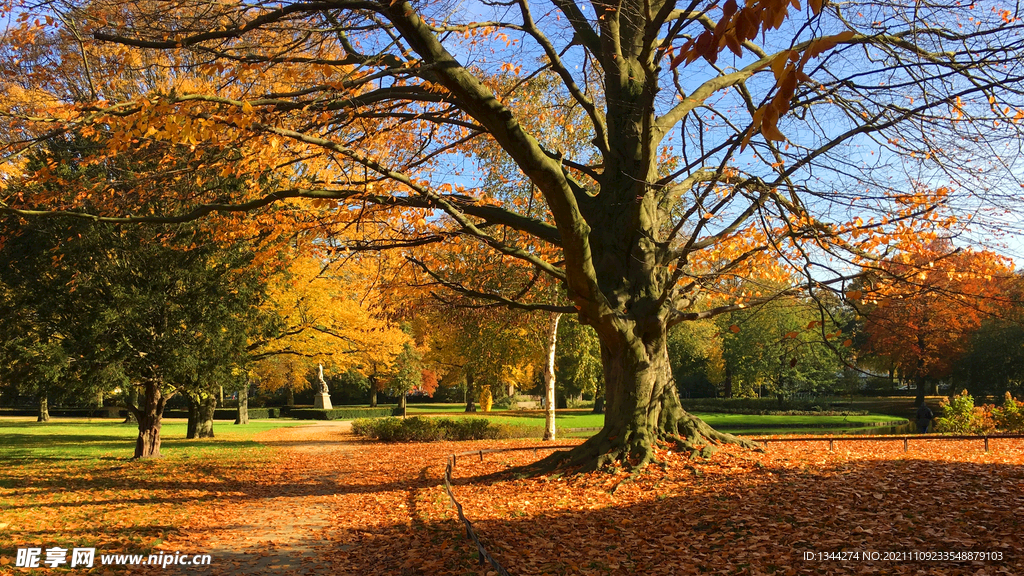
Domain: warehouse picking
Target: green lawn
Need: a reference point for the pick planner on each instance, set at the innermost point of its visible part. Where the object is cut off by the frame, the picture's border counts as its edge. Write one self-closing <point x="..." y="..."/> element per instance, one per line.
<point x="70" y="482"/>
<point x="729" y="421"/>
<point x="734" y="423"/>
<point x="72" y="438"/>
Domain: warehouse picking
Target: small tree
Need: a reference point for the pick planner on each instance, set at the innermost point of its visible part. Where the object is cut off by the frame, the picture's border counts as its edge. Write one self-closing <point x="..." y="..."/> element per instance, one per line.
<point x="406" y="374"/>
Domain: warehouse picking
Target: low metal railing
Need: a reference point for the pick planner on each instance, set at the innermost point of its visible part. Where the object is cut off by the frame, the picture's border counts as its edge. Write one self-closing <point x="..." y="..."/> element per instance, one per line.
<point x="906" y="438"/>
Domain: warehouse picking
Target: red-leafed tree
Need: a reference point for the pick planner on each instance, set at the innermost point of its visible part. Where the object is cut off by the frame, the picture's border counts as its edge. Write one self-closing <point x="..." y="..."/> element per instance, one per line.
<point x="715" y="140"/>
<point x="926" y="329"/>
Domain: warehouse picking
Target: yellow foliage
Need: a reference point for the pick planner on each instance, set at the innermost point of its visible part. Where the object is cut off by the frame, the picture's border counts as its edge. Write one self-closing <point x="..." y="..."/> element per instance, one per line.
<point x="486" y="400"/>
<point x="324" y="320"/>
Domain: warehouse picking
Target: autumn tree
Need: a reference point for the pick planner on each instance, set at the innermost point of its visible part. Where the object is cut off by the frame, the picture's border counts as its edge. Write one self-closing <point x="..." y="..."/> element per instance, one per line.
<point x="489" y="348"/>
<point x="322" y="316"/>
<point x="924" y="332"/>
<point x="721" y="137"/>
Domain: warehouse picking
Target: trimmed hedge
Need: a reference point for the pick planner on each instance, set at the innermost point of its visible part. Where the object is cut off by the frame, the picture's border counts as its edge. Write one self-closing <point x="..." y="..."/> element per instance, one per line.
<point x="62" y="412"/>
<point x="771" y="406"/>
<point x="423" y="429"/>
<point x="262" y="413"/>
<point x="339" y="413"/>
<point x="230" y="413"/>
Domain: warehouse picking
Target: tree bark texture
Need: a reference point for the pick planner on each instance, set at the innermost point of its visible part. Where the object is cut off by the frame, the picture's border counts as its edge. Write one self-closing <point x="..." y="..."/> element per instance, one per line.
<point x="243" y="404"/>
<point x="150" y="417"/>
<point x="200" y="415"/>
<point x="642" y="409"/>
<point x="44" y="409"/>
<point x="402" y="405"/>
<point x="549" y="377"/>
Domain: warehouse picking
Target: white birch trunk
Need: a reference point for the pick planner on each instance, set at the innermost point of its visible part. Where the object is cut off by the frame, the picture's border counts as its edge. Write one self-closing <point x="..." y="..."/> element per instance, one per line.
<point x="549" y="379"/>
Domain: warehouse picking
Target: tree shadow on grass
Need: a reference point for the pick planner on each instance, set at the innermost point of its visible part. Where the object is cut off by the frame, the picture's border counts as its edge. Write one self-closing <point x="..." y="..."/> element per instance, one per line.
<point x="69" y="447"/>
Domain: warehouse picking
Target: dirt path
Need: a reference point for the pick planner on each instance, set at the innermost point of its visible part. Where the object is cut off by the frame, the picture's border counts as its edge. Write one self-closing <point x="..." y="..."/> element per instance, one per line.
<point x="281" y="529"/>
<point x="327" y="502"/>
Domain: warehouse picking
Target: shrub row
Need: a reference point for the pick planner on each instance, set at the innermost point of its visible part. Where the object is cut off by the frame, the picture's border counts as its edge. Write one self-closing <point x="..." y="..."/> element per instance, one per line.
<point x="961" y="416"/>
<point x="432" y="429"/>
<point x="770" y="406"/>
<point x="339" y="413"/>
<point x="61" y="412"/>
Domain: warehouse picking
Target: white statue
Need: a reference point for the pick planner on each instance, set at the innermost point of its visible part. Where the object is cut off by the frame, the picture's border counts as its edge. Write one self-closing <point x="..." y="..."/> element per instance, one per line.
<point x="323" y="383"/>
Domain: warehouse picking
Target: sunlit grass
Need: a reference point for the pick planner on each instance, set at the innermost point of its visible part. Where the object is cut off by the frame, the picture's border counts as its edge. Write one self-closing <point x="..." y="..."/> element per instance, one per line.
<point x="71" y="483"/>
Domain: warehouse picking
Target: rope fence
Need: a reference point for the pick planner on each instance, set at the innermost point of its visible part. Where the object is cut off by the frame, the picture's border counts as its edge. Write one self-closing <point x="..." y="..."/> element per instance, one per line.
<point x="485" y="556"/>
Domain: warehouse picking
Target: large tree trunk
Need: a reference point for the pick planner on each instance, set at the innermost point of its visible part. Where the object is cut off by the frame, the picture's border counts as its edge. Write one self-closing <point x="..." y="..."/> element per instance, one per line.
<point x="373" y="393"/>
<point x="150" y="417"/>
<point x="402" y="405"/>
<point x="599" y="404"/>
<point x="641" y="409"/>
<point x="549" y="378"/>
<point x="44" y="409"/>
<point x="201" y="409"/>
<point x="243" y="404"/>
<point x="289" y="396"/>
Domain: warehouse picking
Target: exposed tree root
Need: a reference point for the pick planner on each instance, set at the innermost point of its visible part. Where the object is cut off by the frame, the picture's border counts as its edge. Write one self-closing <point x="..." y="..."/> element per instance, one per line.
<point x="634" y="449"/>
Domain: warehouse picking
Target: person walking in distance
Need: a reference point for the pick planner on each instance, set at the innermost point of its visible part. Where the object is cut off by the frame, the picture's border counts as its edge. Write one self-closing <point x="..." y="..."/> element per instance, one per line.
<point x="924" y="418"/>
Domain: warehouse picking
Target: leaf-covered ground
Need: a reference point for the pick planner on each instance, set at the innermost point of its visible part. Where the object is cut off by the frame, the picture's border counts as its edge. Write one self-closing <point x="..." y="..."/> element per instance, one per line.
<point x="739" y="513"/>
<point x="323" y="502"/>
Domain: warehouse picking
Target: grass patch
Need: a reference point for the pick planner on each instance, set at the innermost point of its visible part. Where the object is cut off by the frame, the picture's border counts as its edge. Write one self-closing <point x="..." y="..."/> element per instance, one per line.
<point x="70" y="483"/>
<point x="532" y="422"/>
<point x="733" y="421"/>
<point x="73" y="439"/>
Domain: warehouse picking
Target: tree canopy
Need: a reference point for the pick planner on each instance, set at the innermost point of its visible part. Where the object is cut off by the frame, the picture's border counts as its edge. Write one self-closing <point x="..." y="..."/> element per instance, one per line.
<point x="769" y="140"/>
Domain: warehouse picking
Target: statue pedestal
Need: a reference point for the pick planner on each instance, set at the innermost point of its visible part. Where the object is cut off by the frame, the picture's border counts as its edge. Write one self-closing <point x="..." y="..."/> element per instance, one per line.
<point x="322" y="400"/>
